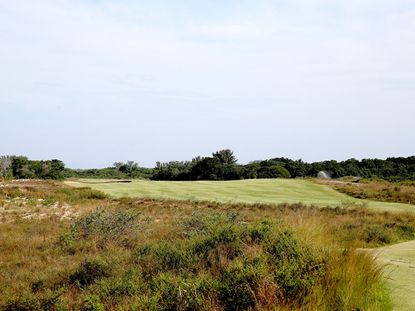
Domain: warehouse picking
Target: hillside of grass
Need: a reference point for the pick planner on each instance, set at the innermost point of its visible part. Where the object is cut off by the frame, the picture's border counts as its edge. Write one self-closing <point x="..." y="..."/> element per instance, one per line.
<point x="273" y="191"/>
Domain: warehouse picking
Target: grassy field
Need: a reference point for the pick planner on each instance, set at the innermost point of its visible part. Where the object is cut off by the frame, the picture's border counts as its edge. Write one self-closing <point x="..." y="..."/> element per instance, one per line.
<point x="75" y="248"/>
<point x="240" y="191"/>
<point x="64" y="248"/>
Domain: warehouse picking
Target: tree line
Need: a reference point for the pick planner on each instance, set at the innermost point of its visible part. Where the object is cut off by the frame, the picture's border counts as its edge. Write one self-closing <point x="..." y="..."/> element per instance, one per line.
<point x="119" y="170"/>
<point x="20" y="167"/>
<point x="221" y="165"/>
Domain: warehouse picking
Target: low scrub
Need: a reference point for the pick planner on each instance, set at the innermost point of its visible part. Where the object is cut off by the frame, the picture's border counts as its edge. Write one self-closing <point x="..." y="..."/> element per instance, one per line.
<point x="229" y="264"/>
<point x="401" y="192"/>
<point x="170" y="255"/>
<point x="89" y="272"/>
<point x="100" y="226"/>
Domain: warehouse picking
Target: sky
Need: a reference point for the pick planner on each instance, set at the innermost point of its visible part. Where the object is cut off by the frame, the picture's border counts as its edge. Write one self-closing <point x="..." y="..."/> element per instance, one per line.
<point x="92" y="82"/>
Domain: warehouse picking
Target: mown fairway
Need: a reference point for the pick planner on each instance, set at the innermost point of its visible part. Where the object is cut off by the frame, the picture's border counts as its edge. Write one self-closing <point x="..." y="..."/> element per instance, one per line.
<point x="247" y="191"/>
<point x="399" y="261"/>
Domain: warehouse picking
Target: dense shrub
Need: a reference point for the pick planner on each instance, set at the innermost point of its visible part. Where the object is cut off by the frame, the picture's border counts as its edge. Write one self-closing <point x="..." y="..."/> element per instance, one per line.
<point x="217" y="248"/>
<point x="378" y="234"/>
<point x="223" y="243"/>
<point x="72" y="195"/>
<point x="33" y="302"/>
<point x="92" y="303"/>
<point x="259" y="232"/>
<point x="22" y="303"/>
<point x="102" y="224"/>
<point x="163" y="256"/>
<point x="89" y="272"/>
<point x="173" y="292"/>
<point x="119" y="286"/>
<point x="213" y="260"/>
<point x="237" y="286"/>
<point x="297" y="267"/>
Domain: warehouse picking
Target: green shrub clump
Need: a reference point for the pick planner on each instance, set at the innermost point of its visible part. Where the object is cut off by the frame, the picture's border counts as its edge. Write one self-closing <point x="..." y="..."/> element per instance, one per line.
<point x="214" y="262"/>
<point x="89" y="272"/>
<point x="211" y="262"/>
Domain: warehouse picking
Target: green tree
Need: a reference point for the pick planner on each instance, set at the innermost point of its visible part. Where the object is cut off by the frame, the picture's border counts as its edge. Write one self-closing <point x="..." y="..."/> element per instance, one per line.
<point x="225" y="156"/>
<point x="22" y="168"/>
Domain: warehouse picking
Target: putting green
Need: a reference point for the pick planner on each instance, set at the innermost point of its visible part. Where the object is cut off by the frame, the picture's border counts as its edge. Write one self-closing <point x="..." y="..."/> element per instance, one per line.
<point x="246" y="191"/>
<point x="399" y="270"/>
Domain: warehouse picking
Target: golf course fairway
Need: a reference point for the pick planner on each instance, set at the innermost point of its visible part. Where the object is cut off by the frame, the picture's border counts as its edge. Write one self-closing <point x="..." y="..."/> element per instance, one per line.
<point x="399" y="269"/>
<point x="272" y="191"/>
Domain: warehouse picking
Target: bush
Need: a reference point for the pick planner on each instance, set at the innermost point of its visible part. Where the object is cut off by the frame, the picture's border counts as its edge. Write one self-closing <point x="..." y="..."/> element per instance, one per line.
<point x="163" y="256"/>
<point x="218" y="263"/>
<point x="29" y="301"/>
<point x="406" y="231"/>
<point x="297" y="268"/>
<point x="101" y="224"/>
<point x="92" y="303"/>
<point x="171" y="292"/>
<point x="117" y="287"/>
<point x="259" y="232"/>
<point x="222" y="244"/>
<point x="22" y="303"/>
<point x="78" y="194"/>
<point x="237" y="287"/>
<point x="105" y="224"/>
<point x="378" y="235"/>
<point x="38" y="286"/>
<point x="89" y="272"/>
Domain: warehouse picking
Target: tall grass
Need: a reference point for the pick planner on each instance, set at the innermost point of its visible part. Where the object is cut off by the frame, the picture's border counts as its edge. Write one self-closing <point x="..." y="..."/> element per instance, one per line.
<point x="169" y="255"/>
<point x="402" y="192"/>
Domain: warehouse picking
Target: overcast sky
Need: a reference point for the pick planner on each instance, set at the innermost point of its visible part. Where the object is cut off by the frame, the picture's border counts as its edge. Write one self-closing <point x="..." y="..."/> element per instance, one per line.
<point x="92" y="82"/>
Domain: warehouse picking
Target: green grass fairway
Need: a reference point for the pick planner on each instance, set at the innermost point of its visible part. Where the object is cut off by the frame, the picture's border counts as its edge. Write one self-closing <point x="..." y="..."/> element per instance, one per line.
<point x="246" y="191"/>
<point x="399" y="261"/>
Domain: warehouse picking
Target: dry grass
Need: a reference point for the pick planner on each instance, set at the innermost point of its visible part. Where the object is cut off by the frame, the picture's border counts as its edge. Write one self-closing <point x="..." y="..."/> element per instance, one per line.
<point x="35" y="199"/>
<point x="400" y="192"/>
<point x="43" y="258"/>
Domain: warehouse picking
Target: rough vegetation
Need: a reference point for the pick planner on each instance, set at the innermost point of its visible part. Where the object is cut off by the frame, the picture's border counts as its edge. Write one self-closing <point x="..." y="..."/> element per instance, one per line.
<point x="170" y="255"/>
<point x="381" y="190"/>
